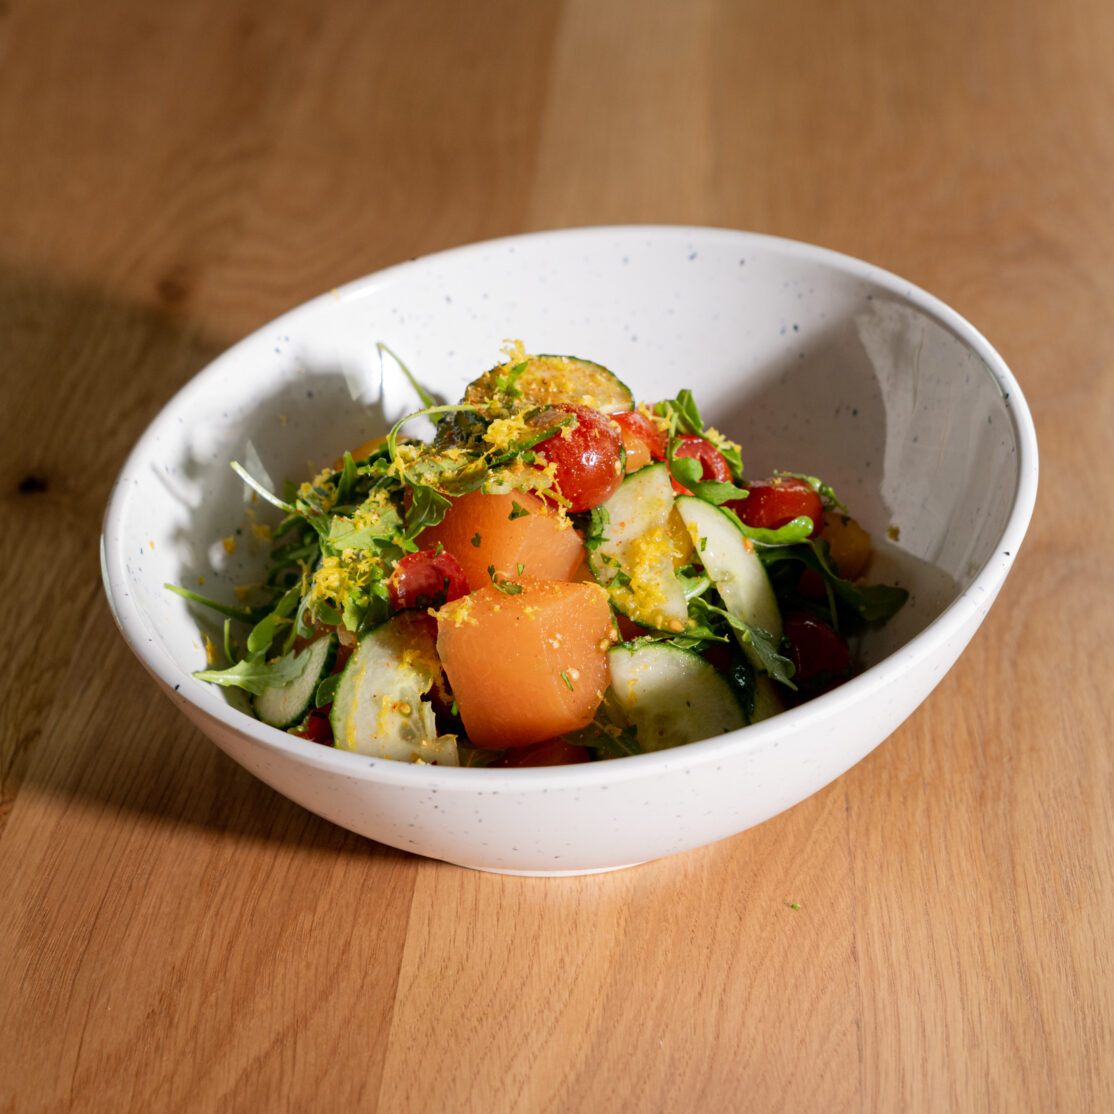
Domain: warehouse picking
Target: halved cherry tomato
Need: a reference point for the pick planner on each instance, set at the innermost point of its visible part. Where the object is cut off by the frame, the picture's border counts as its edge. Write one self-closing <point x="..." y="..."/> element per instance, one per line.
<point x="819" y="654"/>
<point x="775" y="501"/>
<point x="719" y="654"/>
<point x="427" y="578"/>
<point x="713" y="462"/>
<point x="642" y="439"/>
<point x="316" y="727"/>
<point x="587" y="455"/>
<point x="549" y="752"/>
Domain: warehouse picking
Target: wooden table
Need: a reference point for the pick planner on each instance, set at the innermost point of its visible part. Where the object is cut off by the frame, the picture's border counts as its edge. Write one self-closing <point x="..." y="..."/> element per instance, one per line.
<point x="174" y="936"/>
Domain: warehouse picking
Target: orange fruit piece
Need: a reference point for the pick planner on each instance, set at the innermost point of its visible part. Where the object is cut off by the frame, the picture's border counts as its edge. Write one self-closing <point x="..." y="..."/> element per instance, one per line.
<point x="850" y="544"/>
<point x="529" y="665"/>
<point x="505" y="531"/>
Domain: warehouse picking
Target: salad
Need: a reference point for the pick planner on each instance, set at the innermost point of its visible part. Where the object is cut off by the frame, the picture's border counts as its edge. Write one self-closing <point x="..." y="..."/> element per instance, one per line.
<point x="559" y="574"/>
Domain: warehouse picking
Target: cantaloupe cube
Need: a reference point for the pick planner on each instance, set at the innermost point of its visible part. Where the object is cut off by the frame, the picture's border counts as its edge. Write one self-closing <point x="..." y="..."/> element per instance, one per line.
<point x="527" y="665"/>
<point x="506" y="531"/>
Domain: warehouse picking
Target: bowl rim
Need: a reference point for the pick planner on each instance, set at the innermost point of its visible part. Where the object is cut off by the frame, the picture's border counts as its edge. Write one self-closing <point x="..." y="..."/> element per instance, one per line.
<point x="967" y="608"/>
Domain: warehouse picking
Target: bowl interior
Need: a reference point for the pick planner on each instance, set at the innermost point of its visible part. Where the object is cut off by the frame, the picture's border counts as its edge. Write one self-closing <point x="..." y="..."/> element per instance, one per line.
<point x="814" y="362"/>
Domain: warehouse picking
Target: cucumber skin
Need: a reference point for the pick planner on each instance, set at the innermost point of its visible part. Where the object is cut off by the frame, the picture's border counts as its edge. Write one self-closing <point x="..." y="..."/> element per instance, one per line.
<point x="745" y="587"/>
<point x="618" y="395"/>
<point x="685" y="700"/>
<point x="263" y="701"/>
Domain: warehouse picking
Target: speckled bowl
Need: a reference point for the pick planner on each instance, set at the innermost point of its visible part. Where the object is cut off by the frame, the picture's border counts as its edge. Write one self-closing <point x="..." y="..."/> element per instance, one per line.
<point x="813" y="361"/>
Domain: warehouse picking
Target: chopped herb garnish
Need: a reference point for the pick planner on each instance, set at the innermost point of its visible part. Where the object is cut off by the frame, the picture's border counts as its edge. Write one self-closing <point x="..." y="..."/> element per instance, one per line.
<point x="507" y="587"/>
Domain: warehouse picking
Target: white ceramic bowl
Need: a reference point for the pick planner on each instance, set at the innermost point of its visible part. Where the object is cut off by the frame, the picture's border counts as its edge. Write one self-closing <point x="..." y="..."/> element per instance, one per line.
<point x="814" y="361"/>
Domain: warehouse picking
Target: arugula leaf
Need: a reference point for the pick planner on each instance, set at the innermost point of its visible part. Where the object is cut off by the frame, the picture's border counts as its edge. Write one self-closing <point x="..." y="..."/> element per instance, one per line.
<point x="871" y="603"/>
<point x="686" y="470"/>
<point x="595" y="533"/>
<point x="507" y="383"/>
<point x="344" y="534"/>
<point x="779" y="667"/>
<point x="428" y="412"/>
<point x="608" y="735"/>
<point x="732" y="454"/>
<point x="682" y="412"/>
<point x="796" y="530"/>
<point x="377" y="609"/>
<point x="254" y="674"/>
<point x="427" y="509"/>
<point x="352" y="613"/>
<point x="478" y="757"/>
<point x="346" y="482"/>
<point x="427" y="399"/>
<point x="229" y="652"/>
<point x="326" y="690"/>
<point x="695" y="583"/>
<point x="257" y="487"/>
<point x="689" y="472"/>
<point x="263" y="633"/>
<point x="243" y="614"/>
<point x="326" y="614"/>
<point x="718" y="493"/>
<point x="714" y="619"/>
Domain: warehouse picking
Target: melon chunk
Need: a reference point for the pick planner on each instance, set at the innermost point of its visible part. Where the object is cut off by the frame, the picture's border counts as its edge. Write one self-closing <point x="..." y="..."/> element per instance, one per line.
<point x="526" y="666"/>
<point x="483" y="530"/>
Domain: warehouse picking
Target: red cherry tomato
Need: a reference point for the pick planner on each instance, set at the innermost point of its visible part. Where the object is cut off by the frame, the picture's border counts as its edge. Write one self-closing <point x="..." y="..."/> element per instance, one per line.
<point x="719" y="654"/>
<point x="549" y="752"/>
<point x="713" y="462"/>
<point x="819" y="654"/>
<point x="317" y="727"/>
<point x="642" y="439"/>
<point x="587" y="455"/>
<point x="774" y="502"/>
<point x="427" y="578"/>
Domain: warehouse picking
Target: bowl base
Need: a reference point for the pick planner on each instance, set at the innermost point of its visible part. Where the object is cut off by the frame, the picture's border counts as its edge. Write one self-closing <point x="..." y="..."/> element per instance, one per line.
<point x="547" y="873"/>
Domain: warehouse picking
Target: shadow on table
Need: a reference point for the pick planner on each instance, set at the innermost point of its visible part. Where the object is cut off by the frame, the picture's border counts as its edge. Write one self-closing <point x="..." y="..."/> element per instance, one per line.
<point x="84" y="371"/>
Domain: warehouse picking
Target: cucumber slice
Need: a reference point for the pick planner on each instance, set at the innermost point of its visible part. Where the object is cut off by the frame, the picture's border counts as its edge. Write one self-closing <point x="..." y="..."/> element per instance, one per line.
<point x="735" y="568"/>
<point x="378" y="708"/>
<point x="768" y="698"/>
<point x="551" y="379"/>
<point x="634" y="559"/>
<point x="671" y="696"/>
<point x="283" y="705"/>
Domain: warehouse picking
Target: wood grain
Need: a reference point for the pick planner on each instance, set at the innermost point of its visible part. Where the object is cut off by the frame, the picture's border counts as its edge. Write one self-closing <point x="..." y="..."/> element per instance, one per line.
<point x="931" y="932"/>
